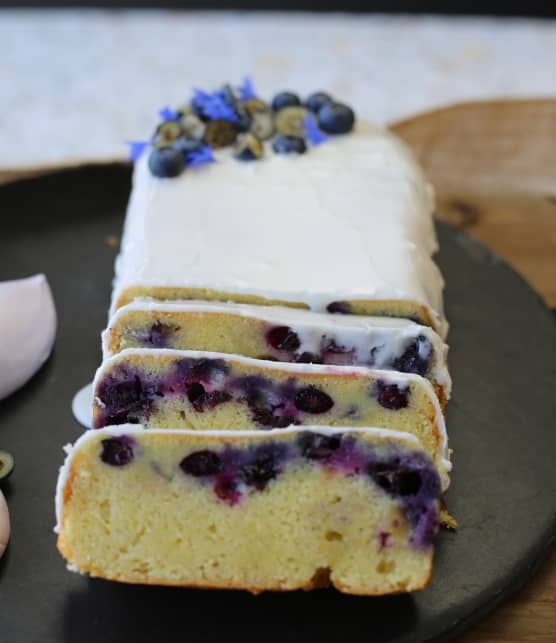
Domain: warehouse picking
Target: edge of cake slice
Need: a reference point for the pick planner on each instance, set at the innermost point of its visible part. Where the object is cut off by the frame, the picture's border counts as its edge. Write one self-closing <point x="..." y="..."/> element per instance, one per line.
<point x="289" y="509"/>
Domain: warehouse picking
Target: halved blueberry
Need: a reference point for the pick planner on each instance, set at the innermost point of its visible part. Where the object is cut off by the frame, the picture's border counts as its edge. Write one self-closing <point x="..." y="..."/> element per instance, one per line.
<point x="308" y="358"/>
<point x="117" y="452"/>
<point x="317" y="100"/>
<point x="336" y="118"/>
<point x="391" y="396"/>
<point x="200" y="399"/>
<point x="316" y="446"/>
<point x="283" y="338"/>
<point x="285" y="99"/>
<point x="166" y="162"/>
<point x="201" y="463"/>
<point x="312" y="400"/>
<point x="6" y="464"/>
<point x="287" y="144"/>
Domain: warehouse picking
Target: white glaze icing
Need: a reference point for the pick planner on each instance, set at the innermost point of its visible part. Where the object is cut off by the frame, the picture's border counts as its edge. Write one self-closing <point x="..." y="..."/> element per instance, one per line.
<point x="4" y="524"/>
<point x="82" y="406"/>
<point x="389" y="377"/>
<point x="351" y="331"/>
<point x="135" y="429"/>
<point x="27" y="329"/>
<point x="350" y="220"/>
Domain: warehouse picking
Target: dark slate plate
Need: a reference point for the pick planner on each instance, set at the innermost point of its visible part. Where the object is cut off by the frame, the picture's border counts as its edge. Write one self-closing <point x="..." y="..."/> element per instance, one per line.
<point x="501" y="423"/>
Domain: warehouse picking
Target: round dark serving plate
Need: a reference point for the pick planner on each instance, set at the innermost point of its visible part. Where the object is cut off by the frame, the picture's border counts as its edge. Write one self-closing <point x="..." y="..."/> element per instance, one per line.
<point x="501" y="424"/>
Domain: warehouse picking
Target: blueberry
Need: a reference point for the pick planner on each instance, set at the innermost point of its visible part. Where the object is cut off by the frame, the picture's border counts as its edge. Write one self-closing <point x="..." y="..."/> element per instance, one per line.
<point x="166" y="162"/>
<point x="201" y="463"/>
<point x="204" y="369"/>
<point x="313" y="400"/>
<point x="336" y="118"/>
<point x="125" y="397"/>
<point x="6" y="464"/>
<point x="200" y="399"/>
<point x="196" y="395"/>
<point x="285" y="99"/>
<point x="317" y="100"/>
<point x="244" y="121"/>
<point x="262" y="125"/>
<point x="283" y="338"/>
<point x="260" y="472"/>
<point x="308" y="358"/>
<point x="316" y="446"/>
<point x="290" y="120"/>
<point x="286" y="144"/>
<point x="391" y="396"/>
<point x="192" y="127"/>
<point x="167" y="132"/>
<point x="339" y="307"/>
<point x="117" y="451"/>
<point x="415" y="358"/>
<point x="248" y="147"/>
<point x="226" y="489"/>
<point x="157" y="336"/>
<point x="220" y="133"/>
<point x="396" y="481"/>
<point x="263" y="416"/>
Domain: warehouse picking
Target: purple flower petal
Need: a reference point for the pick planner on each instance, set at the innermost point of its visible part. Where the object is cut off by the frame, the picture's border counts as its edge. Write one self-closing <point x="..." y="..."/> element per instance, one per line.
<point x="200" y="156"/>
<point x="312" y="131"/>
<point x="214" y="106"/>
<point x="168" y="114"/>
<point x="247" y="89"/>
<point x="136" y="148"/>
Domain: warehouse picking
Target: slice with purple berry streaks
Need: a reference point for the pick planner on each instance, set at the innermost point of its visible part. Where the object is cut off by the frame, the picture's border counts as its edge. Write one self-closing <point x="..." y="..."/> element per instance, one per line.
<point x="282" y="334"/>
<point x="297" y="508"/>
<point x="163" y="388"/>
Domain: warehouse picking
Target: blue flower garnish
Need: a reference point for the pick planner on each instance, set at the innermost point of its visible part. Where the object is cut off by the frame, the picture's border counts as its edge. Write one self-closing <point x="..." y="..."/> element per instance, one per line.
<point x="313" y="133"/>
<point x="201" y="156"/>
<point x="214" y="106"/>
<point x="136" y="148"/>
<point x="168" y="114"/>
<point x="247" y="89"/>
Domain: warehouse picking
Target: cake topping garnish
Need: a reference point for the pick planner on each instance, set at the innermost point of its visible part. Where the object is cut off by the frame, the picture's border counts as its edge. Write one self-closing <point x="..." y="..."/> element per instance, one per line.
<point x="238" y="117"/>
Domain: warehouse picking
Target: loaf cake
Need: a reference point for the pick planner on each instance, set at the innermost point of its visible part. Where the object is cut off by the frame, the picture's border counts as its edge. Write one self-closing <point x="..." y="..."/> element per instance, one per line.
<point x="281" y="510"/>
<point x="275" y="295"/>
<point x="282" y="334"/>
<point x="344" y="228"/>
<point x="201" y="390"/>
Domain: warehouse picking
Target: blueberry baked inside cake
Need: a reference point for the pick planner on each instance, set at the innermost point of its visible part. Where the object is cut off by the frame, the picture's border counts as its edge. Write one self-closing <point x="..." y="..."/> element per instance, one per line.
<point x="281" y="334"/>
<point x="275" y="296"/>
<point x="297" y="508"/>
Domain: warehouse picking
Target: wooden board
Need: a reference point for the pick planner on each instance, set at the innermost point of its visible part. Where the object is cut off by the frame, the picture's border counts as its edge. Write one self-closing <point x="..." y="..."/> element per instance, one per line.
<point x="494" y="167"/>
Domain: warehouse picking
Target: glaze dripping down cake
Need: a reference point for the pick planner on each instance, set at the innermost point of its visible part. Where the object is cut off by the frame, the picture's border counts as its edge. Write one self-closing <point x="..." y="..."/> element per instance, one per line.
<point x="282" y="510"/>
<point x="268" y="414"/>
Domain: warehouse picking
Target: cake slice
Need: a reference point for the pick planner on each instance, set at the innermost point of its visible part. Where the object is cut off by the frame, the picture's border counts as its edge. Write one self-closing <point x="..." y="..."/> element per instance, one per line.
<point x="281" y="510"/>
<point x="282" y="334"/>
<point x="344" y="228"/>
<point x="163" y="388"/>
